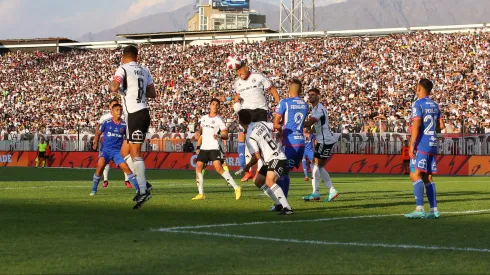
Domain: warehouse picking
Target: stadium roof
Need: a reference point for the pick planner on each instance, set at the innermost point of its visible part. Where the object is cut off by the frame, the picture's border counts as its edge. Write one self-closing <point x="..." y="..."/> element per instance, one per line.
<point x="50" y="39"/>
<point x="156" y="35"/>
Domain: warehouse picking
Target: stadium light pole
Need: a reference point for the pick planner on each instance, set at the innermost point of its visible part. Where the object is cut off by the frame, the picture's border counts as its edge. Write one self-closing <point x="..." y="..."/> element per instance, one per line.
<point x="297" y="16"/>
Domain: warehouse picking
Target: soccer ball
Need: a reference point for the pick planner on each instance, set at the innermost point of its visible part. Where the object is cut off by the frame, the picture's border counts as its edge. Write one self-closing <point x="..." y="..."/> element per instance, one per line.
<point x="237" y="107"/>
<point x="233" y="62"/>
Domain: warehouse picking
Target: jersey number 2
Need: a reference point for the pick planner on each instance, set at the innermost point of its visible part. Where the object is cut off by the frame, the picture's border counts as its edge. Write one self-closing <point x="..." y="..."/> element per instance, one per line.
<point x="429" y="131"/>
<point x="141" y="83"/>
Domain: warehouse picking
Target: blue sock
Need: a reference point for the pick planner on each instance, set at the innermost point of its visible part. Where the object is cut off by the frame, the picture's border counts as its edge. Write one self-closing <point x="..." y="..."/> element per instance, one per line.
<point x="285" y="184"/>
<point x="95" y="180"/>
<point x="133" y="181"/>
<point x="431" y="194"/>
<point x="418" y="191"/>
<point x="305" y="167"/>
<point x="241" y="155"/>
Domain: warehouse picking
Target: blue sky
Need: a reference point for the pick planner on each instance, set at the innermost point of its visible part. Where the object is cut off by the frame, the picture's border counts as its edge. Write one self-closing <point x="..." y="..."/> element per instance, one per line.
<point x="73" y="18"/>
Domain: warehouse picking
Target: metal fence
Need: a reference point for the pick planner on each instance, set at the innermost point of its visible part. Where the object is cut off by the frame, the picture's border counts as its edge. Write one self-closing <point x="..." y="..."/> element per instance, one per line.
<point x="369" y="137"/>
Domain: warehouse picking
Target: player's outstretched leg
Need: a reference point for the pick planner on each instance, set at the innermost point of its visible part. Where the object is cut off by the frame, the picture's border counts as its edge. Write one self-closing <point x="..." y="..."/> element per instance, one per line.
<point x="130" y="175"/>
<point x="226" y="175"/>
<point x="270" y="181"/>
<point x="260" y="183"/>
<point x="305" y="169"/>
<point x="332" y="193"/>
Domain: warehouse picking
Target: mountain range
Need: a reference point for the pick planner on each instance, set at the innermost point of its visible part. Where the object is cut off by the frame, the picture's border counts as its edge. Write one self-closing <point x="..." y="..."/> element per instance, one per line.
<point x="351" y="14"/>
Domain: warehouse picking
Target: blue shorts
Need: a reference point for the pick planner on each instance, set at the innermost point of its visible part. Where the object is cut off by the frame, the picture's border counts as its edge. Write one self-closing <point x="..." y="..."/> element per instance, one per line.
<point x="113" y="155"/>
<point x="424" y="163"/>
<point x="308" y="155"/>
<point x="294" y="155"/>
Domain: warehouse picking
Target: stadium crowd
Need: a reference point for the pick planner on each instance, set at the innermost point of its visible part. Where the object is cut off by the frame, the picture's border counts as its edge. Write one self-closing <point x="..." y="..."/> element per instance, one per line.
<point x="367" y="83"/>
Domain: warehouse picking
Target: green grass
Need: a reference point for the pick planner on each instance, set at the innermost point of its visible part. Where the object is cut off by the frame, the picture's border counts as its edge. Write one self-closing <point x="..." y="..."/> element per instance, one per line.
<point x="49" y="224"/>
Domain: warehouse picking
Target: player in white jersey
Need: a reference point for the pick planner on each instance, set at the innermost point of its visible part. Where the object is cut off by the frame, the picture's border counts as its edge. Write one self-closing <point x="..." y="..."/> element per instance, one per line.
<point x="136" y="85"/>
<point x="325" y="141"/>
<point x="250" y="88"/>
<point x="208" y="149"/>
<point x="103" y="118"/>
<point x="262" y="146"/>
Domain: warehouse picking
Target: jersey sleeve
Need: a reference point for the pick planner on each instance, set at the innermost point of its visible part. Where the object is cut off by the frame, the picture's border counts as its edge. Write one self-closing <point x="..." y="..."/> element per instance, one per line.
<point x="252" y="143"/>
<point x="222" y="125"/>
<point x="102" y="127"/>
<point x="316" y="115"/>
<point x="416" y="111"/>
<point x="281" y="108"/>
<point x="267" y="84"/>
<point x="149" y="80"/>
<point x="119" y="75"/>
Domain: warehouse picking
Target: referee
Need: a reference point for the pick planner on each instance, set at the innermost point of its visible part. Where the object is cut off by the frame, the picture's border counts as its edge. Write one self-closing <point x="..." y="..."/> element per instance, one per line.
<point x="41" y="152"/>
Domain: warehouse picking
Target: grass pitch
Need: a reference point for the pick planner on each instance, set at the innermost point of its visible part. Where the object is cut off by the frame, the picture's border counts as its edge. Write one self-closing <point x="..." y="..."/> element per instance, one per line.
<point x="49" y="224"/>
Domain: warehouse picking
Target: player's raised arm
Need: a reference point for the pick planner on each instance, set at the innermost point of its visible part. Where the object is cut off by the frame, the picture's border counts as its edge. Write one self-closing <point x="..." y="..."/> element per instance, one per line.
<point x="280" y="110"/>
<point x="275" y="94"/>
<point x="150" y="89"/>
<point x="117" y="80"/>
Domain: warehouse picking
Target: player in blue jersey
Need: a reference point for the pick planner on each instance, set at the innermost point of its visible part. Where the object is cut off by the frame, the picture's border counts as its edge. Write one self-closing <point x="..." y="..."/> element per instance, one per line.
<point x="426" y="122"/>
<point x="114" y="130"/>
<point x="289" y="120"/>
<point x="308" y="154"/>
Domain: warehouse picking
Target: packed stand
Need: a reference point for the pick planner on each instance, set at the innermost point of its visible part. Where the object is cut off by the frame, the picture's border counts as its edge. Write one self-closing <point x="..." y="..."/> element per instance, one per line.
<point x="367" y="83"/>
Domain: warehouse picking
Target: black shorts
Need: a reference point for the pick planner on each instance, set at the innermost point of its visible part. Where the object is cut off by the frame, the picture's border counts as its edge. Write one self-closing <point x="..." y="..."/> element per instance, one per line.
<point x="278" y="166"/>
<point x="42" y="155"/>
<point x="137" y="126"/>
<point x="322" y="151"/>
<point x="209" y="155"/>
<point x="258" y="115"/>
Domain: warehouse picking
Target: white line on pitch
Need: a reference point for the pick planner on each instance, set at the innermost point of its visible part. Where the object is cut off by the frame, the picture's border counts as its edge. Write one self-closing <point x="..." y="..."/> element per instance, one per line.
<point x="163" y="229"/>
<point x="383" y="245"/>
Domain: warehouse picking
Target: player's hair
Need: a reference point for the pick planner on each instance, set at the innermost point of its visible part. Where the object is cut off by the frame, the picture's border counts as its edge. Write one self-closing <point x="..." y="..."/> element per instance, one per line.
<point x="116" y="105"/>
<point x="315" y="90"/>
<point x="245" y="116"/>
<point x="113" y="100"/>
<point x="215" y="100"/>
<point x="426" y="84"/>
<point x="297" y="82"/>
<point x="130" y="51"/>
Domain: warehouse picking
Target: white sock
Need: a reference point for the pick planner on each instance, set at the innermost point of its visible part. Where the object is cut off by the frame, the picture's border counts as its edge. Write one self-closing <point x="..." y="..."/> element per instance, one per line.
<point x="280" y="195"/>
<point x="200" y="183"/>
<point x="433" y="209"/>
<point x="326" y="178"/>
<point x="419" y="208"/>
<point x="139" y="169"/>
<point x="226" y="175"/>
<point x="129" y="162"/>
<point x="315" y="181"/>
<point x="106" y="172"/>
<point x="260" y="163"/>
<point x="248" y="157"/>
<point x="270" y="194"/>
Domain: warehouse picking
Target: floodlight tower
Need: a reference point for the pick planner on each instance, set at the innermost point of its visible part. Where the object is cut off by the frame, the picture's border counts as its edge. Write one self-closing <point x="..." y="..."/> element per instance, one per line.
<point x="297" y="16"/>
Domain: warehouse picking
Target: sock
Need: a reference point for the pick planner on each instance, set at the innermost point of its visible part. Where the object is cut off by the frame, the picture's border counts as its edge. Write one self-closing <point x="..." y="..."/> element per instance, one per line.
<point x="305" y="167"/>
<point x="418" y="191"/>
<point x="106" y="172"/>
<point x="270" y="194"/>
<point x="326" y="178"/>
<point x="95" y="182"/>
<point x="130" y="163"/>
<point x="241" y="155"/>
<point x="280" y="196"/>
<point x="226" y="168"/>
<point x="37" y="162"/>
<point x="284" y="182"/>
<point x="430" y="190"/>
<point x="200" y="183"/>
<point x="132" y="178"/>
<point x="44" y="163"/>
<point x="315" y="182"/>
<point x="260" y="163"/>
<point x="139" y="170"/>
<point x="229" y="179"/>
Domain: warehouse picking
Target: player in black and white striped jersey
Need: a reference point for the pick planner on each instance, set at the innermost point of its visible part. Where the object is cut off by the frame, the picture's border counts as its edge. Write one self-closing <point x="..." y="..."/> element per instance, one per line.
<point x="135" y="84"/>
<point x="262" y="146"/>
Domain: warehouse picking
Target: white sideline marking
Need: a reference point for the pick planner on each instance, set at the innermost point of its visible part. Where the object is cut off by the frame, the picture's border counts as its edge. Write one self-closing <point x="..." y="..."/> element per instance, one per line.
<point x="383" y="245"/>
<point x="168" y="229"/>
